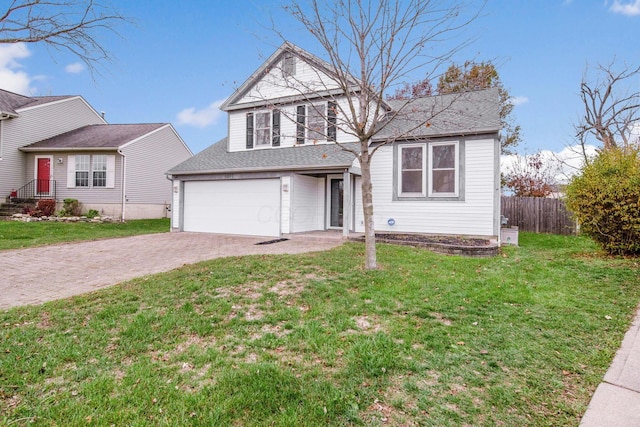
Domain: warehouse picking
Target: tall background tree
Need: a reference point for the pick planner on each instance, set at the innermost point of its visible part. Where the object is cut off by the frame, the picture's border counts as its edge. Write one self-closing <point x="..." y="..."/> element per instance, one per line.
<point x="605" y="195"/>
<point x="611" y="102"/>
<point x="467" y="77"/>
<point x="72" y="25"/>
<point x="373" y="46"/>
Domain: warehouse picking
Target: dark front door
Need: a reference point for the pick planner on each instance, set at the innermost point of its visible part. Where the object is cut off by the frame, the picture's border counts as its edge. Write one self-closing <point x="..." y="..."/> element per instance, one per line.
<point x="337" y="193"/>
<point x="44" y="175"/>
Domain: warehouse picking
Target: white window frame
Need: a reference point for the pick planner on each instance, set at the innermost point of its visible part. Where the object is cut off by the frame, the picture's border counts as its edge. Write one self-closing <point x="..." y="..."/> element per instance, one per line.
<point x="269" y="128"/>
<point x="456" y="169"/>
<point x="78" y="167"/>
<point x="423" y="170"/>
<point x="99" y="160"/>
<point x="319" y="113"/>
<point x="110" y="164"/>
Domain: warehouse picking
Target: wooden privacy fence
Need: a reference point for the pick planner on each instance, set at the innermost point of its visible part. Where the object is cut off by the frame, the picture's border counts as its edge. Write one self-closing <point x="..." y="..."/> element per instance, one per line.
<point x="538" y="214"/>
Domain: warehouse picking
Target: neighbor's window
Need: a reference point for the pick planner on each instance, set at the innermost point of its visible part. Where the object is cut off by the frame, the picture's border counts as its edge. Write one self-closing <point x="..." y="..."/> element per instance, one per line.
<point x="412" y="178"/>
<point x="99" y="171"/>
<point x="82" y="170"/>
<point x="443" y="169"/>
<point x="91" y="171"/>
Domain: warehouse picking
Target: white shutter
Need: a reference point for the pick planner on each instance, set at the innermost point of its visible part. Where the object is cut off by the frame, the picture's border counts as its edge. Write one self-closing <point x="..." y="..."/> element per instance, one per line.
<point x="111" y="171"/>
<point x="71" y="171"/>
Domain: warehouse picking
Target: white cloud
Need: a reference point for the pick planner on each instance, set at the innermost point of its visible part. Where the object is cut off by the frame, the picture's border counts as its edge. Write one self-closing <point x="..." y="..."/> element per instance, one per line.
<point x="566" y="163"/>
<point x="518" y="100"/>
<point x="12" y="78"/>
<point x="75" y="68"/>
<point x="201" y="118"/>
<point x="631" y="8"/>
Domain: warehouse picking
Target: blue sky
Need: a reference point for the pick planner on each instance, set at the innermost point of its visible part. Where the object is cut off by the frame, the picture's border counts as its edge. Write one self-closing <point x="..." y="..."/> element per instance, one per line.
<point x="180" y="60"/>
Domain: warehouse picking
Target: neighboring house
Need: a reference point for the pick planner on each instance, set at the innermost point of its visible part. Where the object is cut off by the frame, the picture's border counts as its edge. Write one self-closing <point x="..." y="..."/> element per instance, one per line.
<point x="279" y="170"/>
<point x="60" y="147"/>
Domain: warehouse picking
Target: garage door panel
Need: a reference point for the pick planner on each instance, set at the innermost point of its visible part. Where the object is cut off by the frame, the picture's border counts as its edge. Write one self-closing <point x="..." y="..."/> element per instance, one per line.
<point x="249" y="207"/>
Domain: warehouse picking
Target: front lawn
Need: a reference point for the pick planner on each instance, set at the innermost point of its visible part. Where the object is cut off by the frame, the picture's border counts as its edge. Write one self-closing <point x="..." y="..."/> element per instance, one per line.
<point x="433" y="340"/>
<point x="17" y="234"/>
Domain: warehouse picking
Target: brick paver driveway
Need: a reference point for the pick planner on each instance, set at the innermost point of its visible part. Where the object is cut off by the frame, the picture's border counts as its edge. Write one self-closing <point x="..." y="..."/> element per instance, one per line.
<point x="37" y="275"/>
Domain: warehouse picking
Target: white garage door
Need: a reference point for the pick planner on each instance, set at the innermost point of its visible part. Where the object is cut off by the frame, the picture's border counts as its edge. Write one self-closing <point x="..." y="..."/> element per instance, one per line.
<point x="249" y="207"/>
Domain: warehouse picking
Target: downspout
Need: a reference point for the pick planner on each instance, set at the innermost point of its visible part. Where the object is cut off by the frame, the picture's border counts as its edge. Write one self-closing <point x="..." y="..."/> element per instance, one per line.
<point x="124" y="183"/>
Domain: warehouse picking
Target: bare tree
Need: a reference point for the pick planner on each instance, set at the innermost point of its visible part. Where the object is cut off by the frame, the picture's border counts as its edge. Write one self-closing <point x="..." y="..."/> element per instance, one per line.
<point x="73" y="25"/>
<point x="372" y="48"/>
<point x="611" y="107"/>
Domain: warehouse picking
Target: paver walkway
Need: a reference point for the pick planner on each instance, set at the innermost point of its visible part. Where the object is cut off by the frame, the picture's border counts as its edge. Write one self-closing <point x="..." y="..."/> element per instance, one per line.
<point x="37" y="275"/>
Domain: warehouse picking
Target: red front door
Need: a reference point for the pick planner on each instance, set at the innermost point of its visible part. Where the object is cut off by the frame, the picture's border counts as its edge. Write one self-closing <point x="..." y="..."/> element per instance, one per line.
<point x="44" y="175"/>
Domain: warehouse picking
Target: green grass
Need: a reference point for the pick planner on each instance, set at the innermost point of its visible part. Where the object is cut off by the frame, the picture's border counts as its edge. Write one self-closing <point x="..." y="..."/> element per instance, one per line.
<point x="520" y="339"/>
<point x="16" y="234"/>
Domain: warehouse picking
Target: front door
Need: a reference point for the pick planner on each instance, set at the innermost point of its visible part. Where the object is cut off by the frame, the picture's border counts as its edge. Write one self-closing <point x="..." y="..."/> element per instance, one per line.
<point x="337" y="197"/>
<point x="43" y="175"/>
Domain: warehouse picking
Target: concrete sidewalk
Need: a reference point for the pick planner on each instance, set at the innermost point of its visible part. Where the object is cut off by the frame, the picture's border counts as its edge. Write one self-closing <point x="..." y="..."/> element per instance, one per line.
<point x="616" y="402"/>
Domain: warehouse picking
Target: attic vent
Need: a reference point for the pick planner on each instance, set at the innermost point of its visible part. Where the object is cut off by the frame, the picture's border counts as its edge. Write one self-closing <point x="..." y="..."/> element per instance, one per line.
<point x="289" y="64"/>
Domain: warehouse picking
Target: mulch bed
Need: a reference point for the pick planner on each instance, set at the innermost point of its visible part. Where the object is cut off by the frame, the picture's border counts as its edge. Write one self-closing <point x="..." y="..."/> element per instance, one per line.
<point x="451" y="245"/>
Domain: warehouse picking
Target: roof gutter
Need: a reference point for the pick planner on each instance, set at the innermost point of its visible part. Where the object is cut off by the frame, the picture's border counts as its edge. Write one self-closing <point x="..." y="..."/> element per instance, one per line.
<point x="4" y="115"/>
<point x="260" y="169"/>
<point x="410" y="137"/>
<point x="57" y="149"/>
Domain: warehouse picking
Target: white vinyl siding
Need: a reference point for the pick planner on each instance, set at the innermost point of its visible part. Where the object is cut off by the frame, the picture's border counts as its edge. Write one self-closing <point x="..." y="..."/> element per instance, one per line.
<point x="285" y="203"/>
<point x="175" y="205"/>
<point x="244" y="207"/>
<point x="357" y="203"/>
<point x="276" y="84"/>
<point x="308" y="206"/>
<point x="471" y="216"/>
<point x="237" y="138"/>
<point x="35" y="124"/>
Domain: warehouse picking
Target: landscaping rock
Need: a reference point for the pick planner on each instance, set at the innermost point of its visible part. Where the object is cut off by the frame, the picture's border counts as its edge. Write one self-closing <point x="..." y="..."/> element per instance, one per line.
<point x="29" y="218"/>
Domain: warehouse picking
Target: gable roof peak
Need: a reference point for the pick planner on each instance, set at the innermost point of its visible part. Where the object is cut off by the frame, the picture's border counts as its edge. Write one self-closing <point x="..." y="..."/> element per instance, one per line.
<point x="271" y="63"/>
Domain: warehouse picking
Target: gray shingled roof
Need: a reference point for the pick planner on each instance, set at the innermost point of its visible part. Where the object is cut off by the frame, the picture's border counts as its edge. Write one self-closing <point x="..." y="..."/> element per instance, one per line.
<point x="95" y="137"/>
<point x="467" y="113"/>
<point x="216" y="159"/>
<point x="10" y="102"/>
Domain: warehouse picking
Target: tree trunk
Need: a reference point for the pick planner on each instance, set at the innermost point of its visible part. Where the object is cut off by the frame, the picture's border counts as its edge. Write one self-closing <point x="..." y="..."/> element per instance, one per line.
<point x="367" y="206"/>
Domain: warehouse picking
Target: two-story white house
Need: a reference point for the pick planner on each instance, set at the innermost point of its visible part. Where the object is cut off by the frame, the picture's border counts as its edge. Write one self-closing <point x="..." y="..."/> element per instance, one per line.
<point x="285" y="166"/>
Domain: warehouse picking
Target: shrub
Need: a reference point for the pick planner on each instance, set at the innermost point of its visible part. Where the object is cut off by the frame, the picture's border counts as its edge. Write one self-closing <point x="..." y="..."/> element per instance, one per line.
<point x="605" y="199"/>
<point x="46" y="207"/>
<point x="92" y="213"/>
<point x="71" y="207"/>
